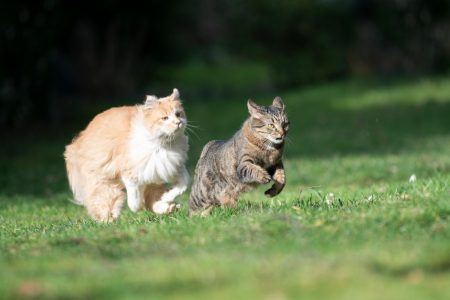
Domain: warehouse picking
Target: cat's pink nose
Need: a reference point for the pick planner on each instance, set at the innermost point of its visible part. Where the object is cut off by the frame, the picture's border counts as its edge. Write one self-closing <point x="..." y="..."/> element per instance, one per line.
<point x="179" y="124"/>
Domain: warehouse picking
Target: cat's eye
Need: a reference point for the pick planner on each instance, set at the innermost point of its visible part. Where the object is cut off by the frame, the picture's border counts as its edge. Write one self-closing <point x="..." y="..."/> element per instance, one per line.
<point x="165" y="118"/>
<point x="178" y="114"/>
<point x="271" y="126"/>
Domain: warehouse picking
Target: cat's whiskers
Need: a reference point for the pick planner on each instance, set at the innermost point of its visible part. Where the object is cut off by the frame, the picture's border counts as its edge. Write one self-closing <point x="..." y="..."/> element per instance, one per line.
<point x="191" y="131"/>
<point x="289" y="140"/>
<point x="191" y="122"/>
<point x="188" y="124"/>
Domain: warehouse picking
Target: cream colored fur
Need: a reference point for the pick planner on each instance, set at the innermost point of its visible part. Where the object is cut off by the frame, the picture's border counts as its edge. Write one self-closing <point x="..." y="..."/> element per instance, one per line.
<point x="140" y="149"/>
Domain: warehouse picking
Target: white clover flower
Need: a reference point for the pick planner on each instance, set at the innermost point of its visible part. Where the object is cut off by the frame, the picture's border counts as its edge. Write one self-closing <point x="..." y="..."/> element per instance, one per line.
<point x="412" y="178"/>
<point x="329" y="198"/>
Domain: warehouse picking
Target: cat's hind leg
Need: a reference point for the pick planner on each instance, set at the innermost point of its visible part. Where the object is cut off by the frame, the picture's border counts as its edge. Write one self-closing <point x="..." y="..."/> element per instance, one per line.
<point x="118" y="205"/>
<point x="228" y="201"/>
<point x="105" y="201"/>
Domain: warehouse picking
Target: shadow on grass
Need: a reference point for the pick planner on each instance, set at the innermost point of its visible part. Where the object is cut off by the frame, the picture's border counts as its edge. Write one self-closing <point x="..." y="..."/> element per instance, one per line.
<point x="437" y="264"/>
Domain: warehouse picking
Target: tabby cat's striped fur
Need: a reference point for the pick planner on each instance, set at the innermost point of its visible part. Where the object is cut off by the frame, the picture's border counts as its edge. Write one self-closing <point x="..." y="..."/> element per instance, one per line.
<point x="252" y="156"/>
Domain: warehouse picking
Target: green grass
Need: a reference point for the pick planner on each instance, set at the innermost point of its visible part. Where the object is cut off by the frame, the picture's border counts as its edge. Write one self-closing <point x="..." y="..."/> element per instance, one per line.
<point x="349" y="224"/>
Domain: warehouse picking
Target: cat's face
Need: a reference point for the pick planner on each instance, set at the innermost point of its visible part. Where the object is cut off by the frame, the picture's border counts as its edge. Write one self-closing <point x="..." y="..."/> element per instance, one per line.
<point x="165" y="117"/>
<point x="269" y="122"/>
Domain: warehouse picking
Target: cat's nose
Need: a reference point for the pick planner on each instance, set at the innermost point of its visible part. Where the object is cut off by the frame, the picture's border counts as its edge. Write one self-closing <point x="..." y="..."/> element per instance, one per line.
<point x="179" y="124"/>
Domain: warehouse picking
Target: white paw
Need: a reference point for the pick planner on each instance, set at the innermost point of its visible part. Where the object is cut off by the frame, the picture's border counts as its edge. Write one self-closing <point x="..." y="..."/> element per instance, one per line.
<point x="135" y="206"/>
<point x="161" y="208"/>
<point x="167" y="197"/>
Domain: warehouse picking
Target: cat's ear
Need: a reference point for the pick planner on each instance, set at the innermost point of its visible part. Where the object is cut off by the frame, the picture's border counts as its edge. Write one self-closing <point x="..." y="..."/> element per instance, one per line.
<point x="150" y="99"/>
<point x="175" y="94"/>
<point x="278" y="103"/>
<point x="253" y="108"/>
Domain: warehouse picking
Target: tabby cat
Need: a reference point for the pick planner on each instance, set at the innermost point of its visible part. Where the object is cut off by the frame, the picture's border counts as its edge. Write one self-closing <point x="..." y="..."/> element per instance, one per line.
<point x="252" y="156"/>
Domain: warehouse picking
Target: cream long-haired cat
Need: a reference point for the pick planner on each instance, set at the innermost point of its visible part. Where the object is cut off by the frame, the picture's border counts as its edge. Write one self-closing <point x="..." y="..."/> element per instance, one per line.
<point x="141" y="149"/>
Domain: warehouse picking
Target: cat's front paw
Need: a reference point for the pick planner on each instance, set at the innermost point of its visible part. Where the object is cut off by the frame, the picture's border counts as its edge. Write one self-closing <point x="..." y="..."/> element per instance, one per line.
<point x="279" y="177"/>
<point x="162" y="208"/>
<point x="263" y="178"/>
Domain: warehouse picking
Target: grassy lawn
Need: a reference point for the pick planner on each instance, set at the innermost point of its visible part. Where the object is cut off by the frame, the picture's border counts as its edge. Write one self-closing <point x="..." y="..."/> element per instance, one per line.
<point x="349" y="225"/>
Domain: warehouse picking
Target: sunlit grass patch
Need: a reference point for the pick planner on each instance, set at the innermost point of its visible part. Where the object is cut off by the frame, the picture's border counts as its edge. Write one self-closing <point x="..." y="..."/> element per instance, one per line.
<point x="350" y="224"/>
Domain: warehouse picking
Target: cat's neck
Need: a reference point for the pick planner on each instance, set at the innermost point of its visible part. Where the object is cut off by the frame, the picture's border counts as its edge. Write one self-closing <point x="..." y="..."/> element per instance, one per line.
<point x="260" y="143"/>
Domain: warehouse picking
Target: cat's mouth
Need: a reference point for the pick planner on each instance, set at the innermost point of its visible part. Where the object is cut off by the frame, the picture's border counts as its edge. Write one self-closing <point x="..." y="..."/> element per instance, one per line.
<point x="276" y="140"/>
<point x="178" y="129"/>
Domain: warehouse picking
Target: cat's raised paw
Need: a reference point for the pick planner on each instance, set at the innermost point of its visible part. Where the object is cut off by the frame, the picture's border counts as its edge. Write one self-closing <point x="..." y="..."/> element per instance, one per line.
<point x="162" y="208"/>
<point x="264" y="178"/>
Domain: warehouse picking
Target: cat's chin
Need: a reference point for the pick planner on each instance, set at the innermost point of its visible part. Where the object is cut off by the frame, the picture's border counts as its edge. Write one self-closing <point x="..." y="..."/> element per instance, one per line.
<point x="171" y="136"/>
<point x="275" y="142"/>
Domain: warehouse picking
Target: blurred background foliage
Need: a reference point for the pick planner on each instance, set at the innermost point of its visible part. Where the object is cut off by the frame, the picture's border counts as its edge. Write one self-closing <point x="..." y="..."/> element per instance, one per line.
<point x="59" y="55"/>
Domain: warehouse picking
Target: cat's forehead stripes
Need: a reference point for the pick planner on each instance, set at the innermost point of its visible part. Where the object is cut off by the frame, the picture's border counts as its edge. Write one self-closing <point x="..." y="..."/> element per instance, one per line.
<point x="272" y="110"/>
<point x="276" y="114"/>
